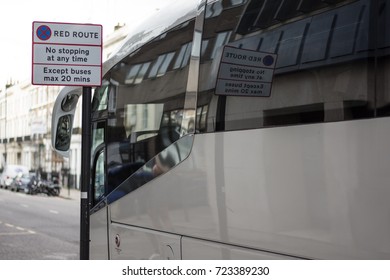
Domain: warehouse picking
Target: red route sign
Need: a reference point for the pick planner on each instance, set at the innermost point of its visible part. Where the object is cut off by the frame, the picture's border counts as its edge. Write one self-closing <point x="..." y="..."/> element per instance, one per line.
<point x="66" y="54"/>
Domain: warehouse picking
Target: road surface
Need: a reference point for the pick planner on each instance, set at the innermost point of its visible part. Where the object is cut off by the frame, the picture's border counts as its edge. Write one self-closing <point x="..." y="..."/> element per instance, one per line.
<point x="38" y="227"/>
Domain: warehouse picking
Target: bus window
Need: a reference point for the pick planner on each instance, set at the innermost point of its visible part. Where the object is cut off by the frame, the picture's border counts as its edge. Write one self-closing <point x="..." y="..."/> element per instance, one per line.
<point x="99" y="101"/>
<point x="383" y="81"/>
<point x="325" y="70"/>
<point x="99" y="178"/>
<point x="183" y="56"/>
<point x="146" y="94"/>
<point x="97" y="135"/>
<point x="142" y="121"/>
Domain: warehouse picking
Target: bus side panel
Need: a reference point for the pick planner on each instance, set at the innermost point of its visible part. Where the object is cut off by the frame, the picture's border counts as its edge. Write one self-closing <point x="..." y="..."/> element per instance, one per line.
<point x="130" y="243"/>
<point x="194" y="249"/>
<point x="313" y="191"/>
<point x="98" y="248"/>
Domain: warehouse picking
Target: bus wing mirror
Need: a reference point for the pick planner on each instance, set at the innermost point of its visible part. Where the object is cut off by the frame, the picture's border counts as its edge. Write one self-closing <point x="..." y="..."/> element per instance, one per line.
<point x="63" y="133"/>
<point x="62" y="119"/>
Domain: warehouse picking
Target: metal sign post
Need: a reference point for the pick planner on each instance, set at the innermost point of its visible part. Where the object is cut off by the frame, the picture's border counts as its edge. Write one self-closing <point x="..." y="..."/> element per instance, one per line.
<point x="70" y="54"/>
<point x="86" y="173"/>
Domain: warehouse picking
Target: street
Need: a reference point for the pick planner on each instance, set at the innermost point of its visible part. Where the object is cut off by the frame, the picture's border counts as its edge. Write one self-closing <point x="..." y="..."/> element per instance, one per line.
<point x="38" y="227"/>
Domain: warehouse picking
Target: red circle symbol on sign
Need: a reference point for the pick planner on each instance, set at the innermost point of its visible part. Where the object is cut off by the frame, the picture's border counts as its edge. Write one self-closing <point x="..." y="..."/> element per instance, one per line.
<point x="44" y="32"/>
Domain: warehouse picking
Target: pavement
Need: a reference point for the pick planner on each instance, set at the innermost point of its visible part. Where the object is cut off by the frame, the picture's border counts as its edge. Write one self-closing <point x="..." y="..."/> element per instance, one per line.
<point x="70" y="193"/>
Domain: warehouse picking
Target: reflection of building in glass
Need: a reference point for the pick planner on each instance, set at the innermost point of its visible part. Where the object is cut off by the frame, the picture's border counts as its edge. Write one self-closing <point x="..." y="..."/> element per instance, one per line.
<point x="325" y="61"/>
<point x="142" y="120"/>
<point x="146" y="95"/>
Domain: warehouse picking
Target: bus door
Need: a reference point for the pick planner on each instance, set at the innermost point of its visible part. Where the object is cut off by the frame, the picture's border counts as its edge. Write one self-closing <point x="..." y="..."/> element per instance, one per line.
<point x="146" y="121"/>
<point x="99" y="211"/>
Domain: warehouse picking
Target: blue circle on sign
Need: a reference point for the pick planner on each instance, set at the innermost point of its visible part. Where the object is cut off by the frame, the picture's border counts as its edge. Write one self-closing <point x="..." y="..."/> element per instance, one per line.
<point x="44" y="32"/>
<point x="268" y="60"/>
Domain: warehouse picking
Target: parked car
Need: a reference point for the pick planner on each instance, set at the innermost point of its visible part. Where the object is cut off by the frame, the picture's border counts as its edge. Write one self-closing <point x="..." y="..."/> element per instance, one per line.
<point x="10" y="172"/>
<point x="23" y="183"/>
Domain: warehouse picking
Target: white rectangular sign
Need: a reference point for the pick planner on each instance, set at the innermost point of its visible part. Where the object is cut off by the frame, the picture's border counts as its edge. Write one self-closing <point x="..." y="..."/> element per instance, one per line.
<point x="67" y="33"/>
<point x="58" y="54"/>
<point x="245" y="73"/>
<point x="67" y="75"/>
<point x="67" y="54"/>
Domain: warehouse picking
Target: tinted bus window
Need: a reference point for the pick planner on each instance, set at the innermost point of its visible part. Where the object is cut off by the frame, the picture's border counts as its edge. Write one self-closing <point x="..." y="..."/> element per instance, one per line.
<point x="329" y="56"/>
<point x="145" y="103"/>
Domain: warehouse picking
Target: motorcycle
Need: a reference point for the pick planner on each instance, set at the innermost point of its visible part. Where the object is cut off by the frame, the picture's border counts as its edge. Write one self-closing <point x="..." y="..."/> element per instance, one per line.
<point x="32" y="187"/>
<point x="50" y="188"/>
<point x="43" y="186"/>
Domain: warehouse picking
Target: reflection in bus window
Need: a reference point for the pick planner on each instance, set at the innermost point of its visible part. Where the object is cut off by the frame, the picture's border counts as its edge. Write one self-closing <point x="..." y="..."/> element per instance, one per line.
<point x="146" y="104"/>
<point x="237" y="2"/>
<point x="325" y="68"/>
<point x="97" y="135"/>
<point x="137" y="73"/>
<point x="183" y="57"/>
<point x="100" y="97"/>
<point x="142" y="120"/>
<point x="160" y="67"/>
<point x="99" y="180"/>
<point x="141" y="73"/>
<point x="221" y="39"/>
<point x="214" y="9"/>
<point x="133" y="73"/>
<point x="164" y="66"/>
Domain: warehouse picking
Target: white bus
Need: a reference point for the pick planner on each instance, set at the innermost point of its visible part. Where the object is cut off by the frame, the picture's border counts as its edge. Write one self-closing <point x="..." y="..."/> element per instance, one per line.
<point x="243" y="129"/>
